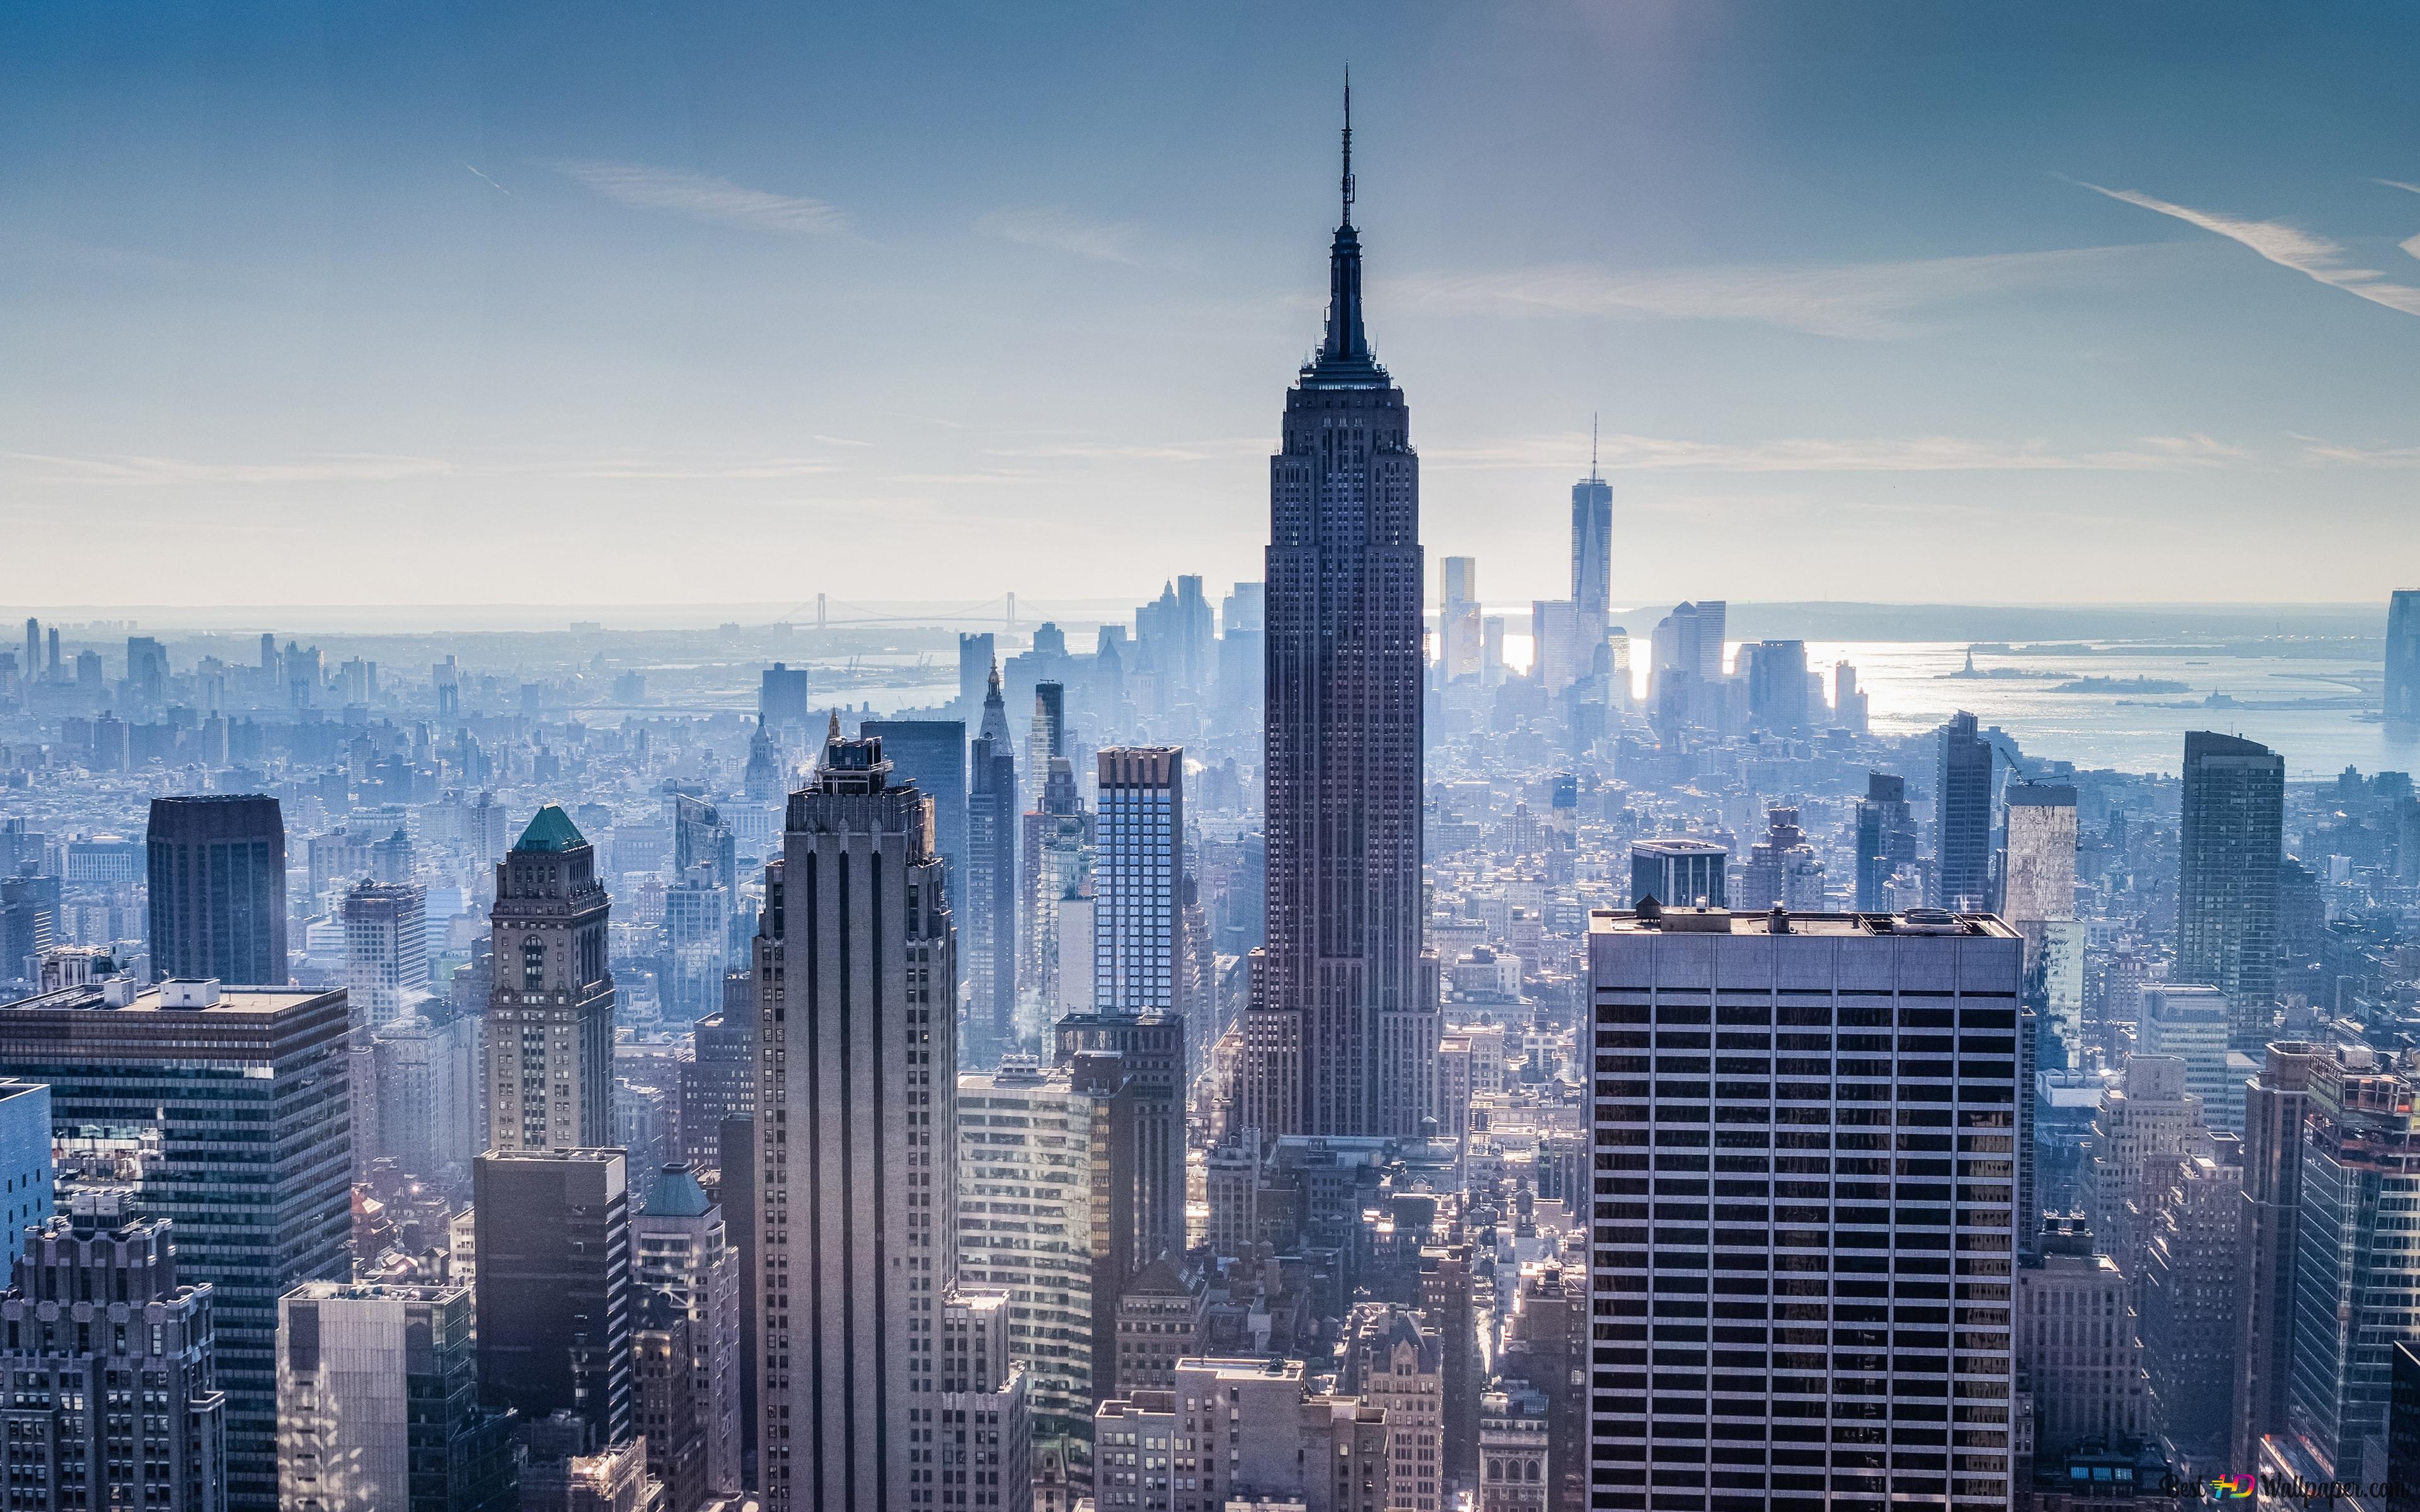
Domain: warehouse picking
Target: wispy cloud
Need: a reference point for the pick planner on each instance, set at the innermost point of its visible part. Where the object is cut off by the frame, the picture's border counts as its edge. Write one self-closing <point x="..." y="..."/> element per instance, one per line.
<point x="156" y="471"/>
<point x="492" y="183"/>
<point x="1862" y="301"/>
<point x="2288" y="246"/>
<point x="1921" y="453"/>
<point x="1062" y="230"/>
<point x="1211" y="451"/>
<point x="2410" y="244"/>
<point x="167" y="471"/>
<point x="704" y="199"/>
<point x="2363" y="456"/>
<point x="783" y="467"/>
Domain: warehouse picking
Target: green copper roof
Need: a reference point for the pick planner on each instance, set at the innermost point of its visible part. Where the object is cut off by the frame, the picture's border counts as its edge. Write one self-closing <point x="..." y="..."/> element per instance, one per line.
<point x="550" y="829"/>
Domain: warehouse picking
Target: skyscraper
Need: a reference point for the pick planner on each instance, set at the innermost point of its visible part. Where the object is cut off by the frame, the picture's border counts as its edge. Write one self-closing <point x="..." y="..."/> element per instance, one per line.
<point x="554" y="1296"/>
<point x="247" y="1092"/>
<point x="1055" y="859"/>
<point x="1961" y="788"/>
<point x="782" y="697"/>
<point x="857" y="1231"/>
<point x="932" y="753"/>
<point x="95" y="1307"/>
<point x="1679" y="873"/>
<point x="993" y="819"/>
<point x="1885" y="838"/>
<point x="1458" y="619"/>
<point x="1591" y="562"/>
<point x="217" y="870"/>
<point x="2402" y="703"/>
<point x="976" y="658"/>
<point x="2274" y="1105"/>
<point x="1884" y="1255"/>
<point x="386" y="949"/>
<point x="550" y="1070"/>
<point x="1341" y="1015"/>
<point x="377" y="1403"/>
<point x="680" y="1249"/>
<point x="1139" y="881"/>
<point x="2230" y="843"/>
<point x="1777" y="685"/>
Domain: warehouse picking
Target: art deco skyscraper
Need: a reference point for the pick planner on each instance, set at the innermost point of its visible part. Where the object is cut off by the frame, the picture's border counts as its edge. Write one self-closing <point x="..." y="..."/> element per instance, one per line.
<point x="993" y="819"/>
<point x="856" y="1144"/>
<point x="2230" y="845"/>
<point x="1339" y="1017"/>
<point x="550" y="1070"/>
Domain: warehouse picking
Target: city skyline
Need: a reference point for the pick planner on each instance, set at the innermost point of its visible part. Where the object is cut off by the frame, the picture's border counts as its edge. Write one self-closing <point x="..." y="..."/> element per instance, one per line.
<point x="525" y="300"/>
<point x="1634" y="1018"/>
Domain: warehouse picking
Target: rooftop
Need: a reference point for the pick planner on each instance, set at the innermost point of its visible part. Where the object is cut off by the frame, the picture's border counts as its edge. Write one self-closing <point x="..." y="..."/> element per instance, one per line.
<point x="550" y="829"/>
<point x="1916" y="921"/>
<point x="175" y="996"/>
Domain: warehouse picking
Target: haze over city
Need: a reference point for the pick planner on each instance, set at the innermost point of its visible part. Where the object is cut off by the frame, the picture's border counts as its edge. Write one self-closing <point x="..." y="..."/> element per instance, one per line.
<point x="656" y="296"/>
<point x="1342" y="758"/>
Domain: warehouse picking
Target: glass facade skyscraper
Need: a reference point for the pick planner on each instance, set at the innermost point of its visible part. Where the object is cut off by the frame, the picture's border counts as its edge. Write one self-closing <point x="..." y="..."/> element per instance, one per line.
<point x="217" y="873"/>
<point x="2230" y="845"/>
<point x="247" y="1091"/>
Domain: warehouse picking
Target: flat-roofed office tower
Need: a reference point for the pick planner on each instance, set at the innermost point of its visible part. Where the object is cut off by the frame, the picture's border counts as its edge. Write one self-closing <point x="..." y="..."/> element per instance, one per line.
<point x="856" y="1140"/>
<point x="1342" y="743"/>
<point x="217" y="871"/>
<point x="932" y="753"/>
<point x="555" y="1307"/>
<point x="1459" y="631"/>
<point x="2402" y="703"/>
<point x="1805" y="1131"/>
<point x="550" y="1070"/>
<point x="1139" y="881"/>
<point x="1885" y="836"/>
<point x="1679" y="873"/>
<point x="377" y="1403"/>
<point x="1962" y="798"/>
<point x="2229" y="846"/>
<point x="247" y="1091"/>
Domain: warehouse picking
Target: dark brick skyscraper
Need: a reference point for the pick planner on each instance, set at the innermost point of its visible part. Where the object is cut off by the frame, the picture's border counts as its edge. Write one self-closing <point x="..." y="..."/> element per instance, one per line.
<point x="1343" y="1029"/>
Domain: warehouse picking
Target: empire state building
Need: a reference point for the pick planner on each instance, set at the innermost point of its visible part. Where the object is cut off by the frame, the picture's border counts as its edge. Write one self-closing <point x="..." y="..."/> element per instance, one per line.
<point x="1342" y="1031"/>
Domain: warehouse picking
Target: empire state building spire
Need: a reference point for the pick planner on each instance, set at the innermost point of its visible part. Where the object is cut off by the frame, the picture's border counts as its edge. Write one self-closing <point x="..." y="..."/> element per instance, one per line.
<point x="1342" y="1025"/>
<point x="1344" y="359"/>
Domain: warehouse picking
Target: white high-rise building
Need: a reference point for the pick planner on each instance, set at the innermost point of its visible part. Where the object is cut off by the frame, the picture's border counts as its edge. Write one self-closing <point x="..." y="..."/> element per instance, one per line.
<point x="386" y="949"/>
<point x="2190" y="1023"/>
<point x="1805" y="1133"/>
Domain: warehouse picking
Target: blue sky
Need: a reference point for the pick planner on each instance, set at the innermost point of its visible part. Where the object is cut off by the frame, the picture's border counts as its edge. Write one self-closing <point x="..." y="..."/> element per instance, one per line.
<point x="427" y="304"/>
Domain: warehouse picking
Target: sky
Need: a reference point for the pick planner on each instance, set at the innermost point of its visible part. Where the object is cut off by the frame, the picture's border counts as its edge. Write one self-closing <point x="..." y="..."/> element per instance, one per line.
<point x="501" y="302"/>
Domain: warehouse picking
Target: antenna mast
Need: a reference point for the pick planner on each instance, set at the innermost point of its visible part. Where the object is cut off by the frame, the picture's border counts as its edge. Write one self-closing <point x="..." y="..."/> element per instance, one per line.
<point x="1348" y="147"/>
